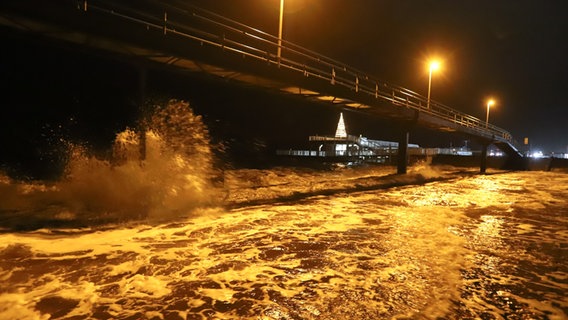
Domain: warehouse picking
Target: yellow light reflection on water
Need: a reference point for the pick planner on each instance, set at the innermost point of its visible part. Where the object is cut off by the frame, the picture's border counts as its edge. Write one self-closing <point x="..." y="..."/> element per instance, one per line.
<point x="488" y="232"/>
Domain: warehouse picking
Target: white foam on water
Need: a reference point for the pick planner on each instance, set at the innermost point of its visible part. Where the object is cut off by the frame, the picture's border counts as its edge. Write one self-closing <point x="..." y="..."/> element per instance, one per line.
<point x="442" y="249"/>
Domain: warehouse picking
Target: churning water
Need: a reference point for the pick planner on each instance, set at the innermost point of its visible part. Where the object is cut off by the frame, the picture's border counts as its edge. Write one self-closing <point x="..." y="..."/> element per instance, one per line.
<point x="153" y="238"/>
<point x="172" y="178"/>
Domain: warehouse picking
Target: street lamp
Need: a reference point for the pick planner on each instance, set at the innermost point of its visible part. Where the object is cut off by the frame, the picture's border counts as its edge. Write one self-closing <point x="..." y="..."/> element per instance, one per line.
<point x="433" y="66"/>
<point x="279" y="54"/>
<point x="490" y="102"/>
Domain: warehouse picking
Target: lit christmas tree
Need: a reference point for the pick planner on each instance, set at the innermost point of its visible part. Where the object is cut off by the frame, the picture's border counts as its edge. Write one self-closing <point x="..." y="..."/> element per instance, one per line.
<point x="341" y="132"/>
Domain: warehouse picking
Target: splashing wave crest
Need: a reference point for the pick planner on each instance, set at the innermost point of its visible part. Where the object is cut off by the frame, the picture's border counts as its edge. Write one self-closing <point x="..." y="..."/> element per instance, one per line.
<point x="164" y="170"/>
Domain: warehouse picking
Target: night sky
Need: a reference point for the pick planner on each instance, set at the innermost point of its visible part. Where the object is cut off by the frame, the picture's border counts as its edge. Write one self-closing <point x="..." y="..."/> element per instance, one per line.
<point x="514" y="51"/>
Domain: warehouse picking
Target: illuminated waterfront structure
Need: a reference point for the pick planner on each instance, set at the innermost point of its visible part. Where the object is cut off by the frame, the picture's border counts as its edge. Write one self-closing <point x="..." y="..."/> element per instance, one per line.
<point x="345" y="147"/>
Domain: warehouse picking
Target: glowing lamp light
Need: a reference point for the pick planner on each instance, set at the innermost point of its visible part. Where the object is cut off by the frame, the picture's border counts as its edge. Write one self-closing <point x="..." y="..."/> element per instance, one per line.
<point x="434" y="65"/>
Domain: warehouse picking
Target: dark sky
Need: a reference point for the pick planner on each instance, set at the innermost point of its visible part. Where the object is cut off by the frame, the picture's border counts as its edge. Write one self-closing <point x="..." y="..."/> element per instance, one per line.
<point x="513" y="50"/>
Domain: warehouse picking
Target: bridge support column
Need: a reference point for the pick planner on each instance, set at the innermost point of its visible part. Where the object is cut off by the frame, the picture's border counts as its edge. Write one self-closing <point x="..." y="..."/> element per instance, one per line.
<point x="483" y="165"/>
<point x="402" y="159"/>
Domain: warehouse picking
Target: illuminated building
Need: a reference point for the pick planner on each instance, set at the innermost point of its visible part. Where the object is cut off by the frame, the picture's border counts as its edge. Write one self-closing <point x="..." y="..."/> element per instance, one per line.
<point x="343" y="147"/>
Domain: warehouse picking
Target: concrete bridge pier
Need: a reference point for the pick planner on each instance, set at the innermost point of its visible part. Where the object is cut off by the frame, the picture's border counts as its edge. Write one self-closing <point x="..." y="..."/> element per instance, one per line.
<point x="483" y="164"/>
<point x="402" y="158"/>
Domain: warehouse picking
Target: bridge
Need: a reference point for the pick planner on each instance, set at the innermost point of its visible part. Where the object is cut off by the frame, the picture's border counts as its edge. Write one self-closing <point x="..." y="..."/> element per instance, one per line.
<point x="191" y="39"/>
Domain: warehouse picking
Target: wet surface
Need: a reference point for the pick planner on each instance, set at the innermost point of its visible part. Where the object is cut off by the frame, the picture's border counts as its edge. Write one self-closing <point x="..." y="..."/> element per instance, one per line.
<point x="477" y="247"/>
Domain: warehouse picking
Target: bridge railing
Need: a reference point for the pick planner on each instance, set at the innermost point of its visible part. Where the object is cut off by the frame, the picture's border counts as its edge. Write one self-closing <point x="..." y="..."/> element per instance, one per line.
<point x="208" y="28"/>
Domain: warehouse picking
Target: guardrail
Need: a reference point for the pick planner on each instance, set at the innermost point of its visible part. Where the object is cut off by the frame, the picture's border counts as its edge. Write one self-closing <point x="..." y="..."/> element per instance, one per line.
<point x="208" y="28"/>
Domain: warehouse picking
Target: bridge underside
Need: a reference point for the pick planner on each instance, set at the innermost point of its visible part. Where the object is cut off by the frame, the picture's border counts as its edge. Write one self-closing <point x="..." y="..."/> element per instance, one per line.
<point x="196" y="57"/>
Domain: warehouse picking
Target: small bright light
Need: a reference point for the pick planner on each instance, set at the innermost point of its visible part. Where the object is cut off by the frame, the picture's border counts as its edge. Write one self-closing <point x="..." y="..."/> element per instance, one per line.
<point x="434" y="65"/>
<point x="537" y="154"/>
<point x="490" y="102"/>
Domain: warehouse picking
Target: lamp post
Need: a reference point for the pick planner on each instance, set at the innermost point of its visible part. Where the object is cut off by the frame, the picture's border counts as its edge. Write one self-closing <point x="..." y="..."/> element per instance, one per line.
<point x="490" y="102"/>
<point x="279" y="54"/>
<point x="433" y="66"/>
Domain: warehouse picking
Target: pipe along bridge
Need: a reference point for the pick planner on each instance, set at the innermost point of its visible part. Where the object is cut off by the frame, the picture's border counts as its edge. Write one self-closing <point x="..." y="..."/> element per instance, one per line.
<point x="191" y="39"/>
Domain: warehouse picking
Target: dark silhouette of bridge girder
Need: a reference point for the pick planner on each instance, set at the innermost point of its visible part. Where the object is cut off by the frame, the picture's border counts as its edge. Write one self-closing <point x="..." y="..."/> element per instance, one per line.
<point x="194" y="40"/>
